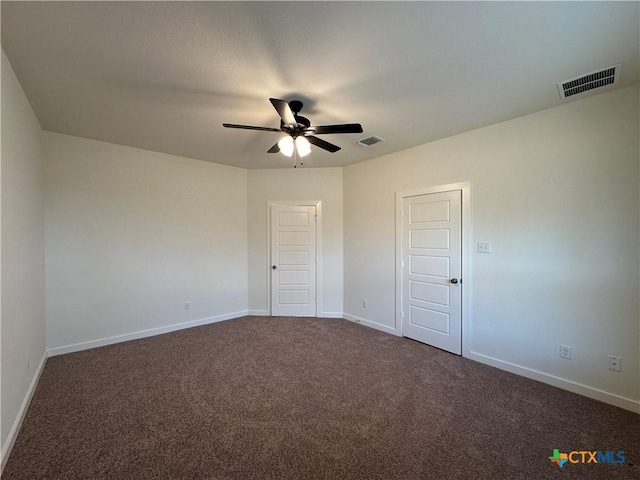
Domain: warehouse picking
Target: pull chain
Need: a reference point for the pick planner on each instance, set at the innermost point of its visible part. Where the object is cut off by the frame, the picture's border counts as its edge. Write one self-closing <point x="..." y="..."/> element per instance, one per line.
<point x="295" y="165"/>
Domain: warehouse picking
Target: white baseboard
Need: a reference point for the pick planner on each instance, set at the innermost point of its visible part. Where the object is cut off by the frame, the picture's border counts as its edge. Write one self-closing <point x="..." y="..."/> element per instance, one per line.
<point x="77" y="347"/>
<point x="15" y="428"/>
<point x="265" y="313"/>
<point x="369" y="323"/>
<point x="591" y="392"/>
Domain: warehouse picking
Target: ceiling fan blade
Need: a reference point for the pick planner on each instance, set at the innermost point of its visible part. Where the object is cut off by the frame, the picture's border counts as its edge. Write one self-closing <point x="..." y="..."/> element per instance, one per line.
<point x="284" y="110"/>
<point x="249" y="127"/>
<point x="318" y="142"/>
<point x="274" y="149"/>
<point x="344" y="128"/>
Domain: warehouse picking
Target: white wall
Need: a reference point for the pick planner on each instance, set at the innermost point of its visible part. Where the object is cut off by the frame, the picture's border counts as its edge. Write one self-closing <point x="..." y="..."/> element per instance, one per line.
<point x="296" y="184"/>
<point x="132" y="234"/>
<point x="22" y="244"/>
<point x="557" y="194"/>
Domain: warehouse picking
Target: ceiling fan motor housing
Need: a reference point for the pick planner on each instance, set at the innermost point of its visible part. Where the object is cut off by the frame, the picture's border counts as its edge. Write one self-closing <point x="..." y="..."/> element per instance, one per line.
<point x="302" y="122"/>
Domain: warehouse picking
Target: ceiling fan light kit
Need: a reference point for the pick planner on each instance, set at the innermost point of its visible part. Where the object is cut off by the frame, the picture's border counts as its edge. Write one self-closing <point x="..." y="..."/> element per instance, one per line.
<point x="285" y="144"/>
<point x="300" y="135"/>
<point x="302" y="146"/>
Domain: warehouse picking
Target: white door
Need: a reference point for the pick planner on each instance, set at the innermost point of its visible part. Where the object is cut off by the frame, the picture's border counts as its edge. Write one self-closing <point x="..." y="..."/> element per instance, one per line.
<point x="293" y="260"/>
<point x="431" y="268"/>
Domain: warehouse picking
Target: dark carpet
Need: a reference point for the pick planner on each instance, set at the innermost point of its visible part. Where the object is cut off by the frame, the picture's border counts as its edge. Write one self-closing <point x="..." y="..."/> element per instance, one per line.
<point x="293" y="398"/>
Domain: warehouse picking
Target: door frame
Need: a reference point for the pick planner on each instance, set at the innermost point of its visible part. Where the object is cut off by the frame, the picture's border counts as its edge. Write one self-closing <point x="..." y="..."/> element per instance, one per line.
<point x="465" y="188"/>
<point x="298" y="203"/>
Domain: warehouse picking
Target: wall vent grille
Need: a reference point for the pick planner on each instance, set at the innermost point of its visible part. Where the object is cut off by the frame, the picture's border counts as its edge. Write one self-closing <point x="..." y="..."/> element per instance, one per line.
<point x="367" y="142"/>
<point x="584" y="83"/>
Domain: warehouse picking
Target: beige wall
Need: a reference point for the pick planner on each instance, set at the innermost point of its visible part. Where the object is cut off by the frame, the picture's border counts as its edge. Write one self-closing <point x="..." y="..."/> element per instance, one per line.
<point x="132" y="234"/>
<point x="296" y="184"/>
<point x="557" y="194"/>
<point x="22" y="244"/>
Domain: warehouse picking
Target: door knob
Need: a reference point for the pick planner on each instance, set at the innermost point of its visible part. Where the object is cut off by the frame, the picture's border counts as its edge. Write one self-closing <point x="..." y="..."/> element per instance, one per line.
<point x="274" y="267"/>
<point x="454" y="280"/>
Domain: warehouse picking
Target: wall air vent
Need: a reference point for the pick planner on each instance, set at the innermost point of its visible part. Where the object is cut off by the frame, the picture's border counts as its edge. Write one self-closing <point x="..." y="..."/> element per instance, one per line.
<point x="367" y="142"/>
<point x="584" y="83"/>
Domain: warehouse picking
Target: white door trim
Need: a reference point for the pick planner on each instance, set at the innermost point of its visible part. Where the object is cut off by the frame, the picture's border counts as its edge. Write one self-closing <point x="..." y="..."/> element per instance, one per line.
<point x="301" y="203"/>
<point x="465" y="188"/>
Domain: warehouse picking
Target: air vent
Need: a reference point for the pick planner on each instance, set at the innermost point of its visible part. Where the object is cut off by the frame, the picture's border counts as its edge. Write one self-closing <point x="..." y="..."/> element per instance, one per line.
<point x="584" y="83"/>
<point x="367" y="142"/>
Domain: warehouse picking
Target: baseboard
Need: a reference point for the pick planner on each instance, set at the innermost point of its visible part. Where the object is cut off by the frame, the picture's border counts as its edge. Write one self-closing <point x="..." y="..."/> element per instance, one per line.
<point x="15" y="428"/>
<point x="77" y="347"/>
<point x="370" y="324"/>
<point x="591" y="392"/>
<point x="265" y="313"/>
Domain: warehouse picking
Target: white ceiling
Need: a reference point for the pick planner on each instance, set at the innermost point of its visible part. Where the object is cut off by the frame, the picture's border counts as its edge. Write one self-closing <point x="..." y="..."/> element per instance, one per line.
<point x="164" y="76"/>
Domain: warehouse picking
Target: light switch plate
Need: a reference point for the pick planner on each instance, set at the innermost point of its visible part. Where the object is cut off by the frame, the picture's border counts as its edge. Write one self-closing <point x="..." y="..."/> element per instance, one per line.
<point x="484" y="247"/>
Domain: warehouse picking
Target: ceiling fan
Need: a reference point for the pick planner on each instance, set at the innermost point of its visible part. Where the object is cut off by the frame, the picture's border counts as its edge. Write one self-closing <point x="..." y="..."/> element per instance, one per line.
<point x="298" y="130"/>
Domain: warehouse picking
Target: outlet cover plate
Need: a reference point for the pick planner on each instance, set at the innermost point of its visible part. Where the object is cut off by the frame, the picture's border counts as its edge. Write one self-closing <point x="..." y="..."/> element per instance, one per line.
<point x="615" y="363"/>
<point x="484" y="247"/>
<point x="565" y="352"/>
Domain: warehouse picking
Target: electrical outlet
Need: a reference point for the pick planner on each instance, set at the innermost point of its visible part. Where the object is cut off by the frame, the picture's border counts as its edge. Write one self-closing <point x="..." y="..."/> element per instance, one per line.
<point x="365" y="303"/>
<point x="615" y="363"/>
<point x="187" y="305"/>
<point x="565" y="352"/>
<point x="484" y="247"/>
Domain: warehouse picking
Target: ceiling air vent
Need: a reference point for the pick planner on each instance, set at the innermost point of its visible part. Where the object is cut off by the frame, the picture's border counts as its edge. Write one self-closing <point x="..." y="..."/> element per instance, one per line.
<point x="367" y="142"/>
<point x="584" y="83"/>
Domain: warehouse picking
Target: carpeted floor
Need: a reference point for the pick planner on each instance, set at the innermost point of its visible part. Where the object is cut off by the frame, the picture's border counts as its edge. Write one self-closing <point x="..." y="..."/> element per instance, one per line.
<point x="292" y="398"/>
